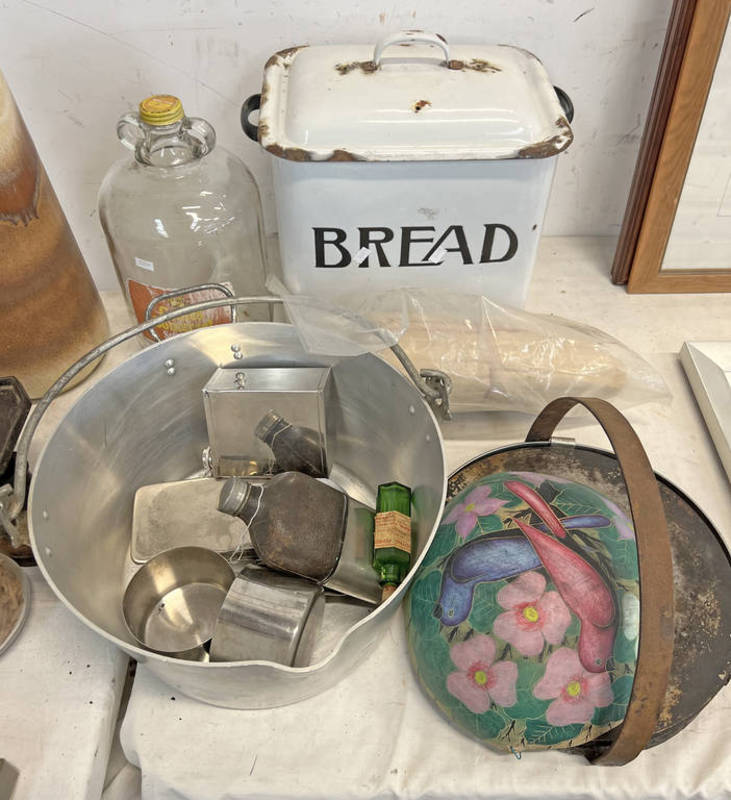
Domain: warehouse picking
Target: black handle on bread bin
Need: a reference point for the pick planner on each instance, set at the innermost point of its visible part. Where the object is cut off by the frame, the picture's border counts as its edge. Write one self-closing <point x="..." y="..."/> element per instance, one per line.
<point x="250" y="105"/>
<point x="566" y="104"/>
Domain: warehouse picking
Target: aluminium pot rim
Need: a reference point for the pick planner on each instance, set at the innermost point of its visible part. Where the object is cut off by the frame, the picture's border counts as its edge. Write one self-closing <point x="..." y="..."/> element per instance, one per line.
<point x="144" y="655"/>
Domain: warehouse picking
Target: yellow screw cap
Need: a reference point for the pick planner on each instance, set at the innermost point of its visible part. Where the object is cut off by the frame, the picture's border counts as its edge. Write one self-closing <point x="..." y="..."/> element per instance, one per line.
<point x="161" y="109"/>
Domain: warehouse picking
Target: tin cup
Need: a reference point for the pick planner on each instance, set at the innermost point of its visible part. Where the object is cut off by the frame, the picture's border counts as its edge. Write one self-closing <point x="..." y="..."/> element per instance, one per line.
<point x="268" y="617"/>
<point x="172" y="603"/>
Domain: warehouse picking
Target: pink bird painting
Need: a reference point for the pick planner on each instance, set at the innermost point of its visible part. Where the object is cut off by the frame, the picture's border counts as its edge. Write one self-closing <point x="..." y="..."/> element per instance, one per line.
<point x="582" y="588"/>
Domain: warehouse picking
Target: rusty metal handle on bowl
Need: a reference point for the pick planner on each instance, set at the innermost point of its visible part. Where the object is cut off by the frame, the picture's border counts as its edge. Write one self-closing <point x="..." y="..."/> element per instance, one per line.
<point x="433" y="386"/>
<point x="655" y="651"/>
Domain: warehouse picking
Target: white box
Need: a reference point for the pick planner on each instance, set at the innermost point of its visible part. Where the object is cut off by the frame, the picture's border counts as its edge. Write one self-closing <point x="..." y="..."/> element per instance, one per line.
<point x="429" y="166"/>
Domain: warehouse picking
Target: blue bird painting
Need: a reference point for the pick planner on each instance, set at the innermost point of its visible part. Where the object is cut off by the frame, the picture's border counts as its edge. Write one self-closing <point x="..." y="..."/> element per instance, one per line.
<point x="492" y="557"/>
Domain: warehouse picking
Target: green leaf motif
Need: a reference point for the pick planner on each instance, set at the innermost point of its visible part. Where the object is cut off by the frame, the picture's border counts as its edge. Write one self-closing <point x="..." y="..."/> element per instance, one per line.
<point x="442" y="546"/>
<point x="572" y="632"/>
<point x="485" y="608"/>
<point x="621" y="688"/>
<point x="528" y="706"/>
<point x="490" y="724"/>
<point x="489" y="524"/>
<point x="539" y="731"/>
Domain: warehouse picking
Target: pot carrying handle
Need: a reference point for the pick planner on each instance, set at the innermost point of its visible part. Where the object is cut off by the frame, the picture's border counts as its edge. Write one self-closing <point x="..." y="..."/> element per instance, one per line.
<point x="655" y="650"/>
<point x="433" y="385"/>
<point x="409" y="37"/>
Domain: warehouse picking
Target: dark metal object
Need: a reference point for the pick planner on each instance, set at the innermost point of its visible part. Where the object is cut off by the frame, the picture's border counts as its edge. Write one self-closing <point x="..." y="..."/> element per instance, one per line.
<point x="566" y="103"/>
<point x="295" y="447"/>
<point x="250" y="105"/>
<point x="701" y="663"/>
<point x="296" y="523"/>
<point x="304" y="527"/>
<point x="14" y="408"/>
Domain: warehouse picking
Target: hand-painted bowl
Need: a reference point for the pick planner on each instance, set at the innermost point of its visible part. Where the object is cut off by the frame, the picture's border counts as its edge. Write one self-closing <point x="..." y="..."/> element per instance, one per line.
<point x="523" y="619"/>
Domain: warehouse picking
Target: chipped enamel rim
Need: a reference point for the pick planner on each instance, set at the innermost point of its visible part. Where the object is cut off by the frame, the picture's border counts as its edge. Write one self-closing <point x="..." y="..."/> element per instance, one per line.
<point x="293" y="128"/>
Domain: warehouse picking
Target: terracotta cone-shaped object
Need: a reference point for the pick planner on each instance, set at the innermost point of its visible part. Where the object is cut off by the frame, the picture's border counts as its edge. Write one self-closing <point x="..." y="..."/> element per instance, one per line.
<point x="50" y="310"/>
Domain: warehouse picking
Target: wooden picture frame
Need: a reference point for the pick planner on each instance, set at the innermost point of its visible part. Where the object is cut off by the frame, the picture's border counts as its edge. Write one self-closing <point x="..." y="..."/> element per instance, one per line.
<point x="693" y="42"/>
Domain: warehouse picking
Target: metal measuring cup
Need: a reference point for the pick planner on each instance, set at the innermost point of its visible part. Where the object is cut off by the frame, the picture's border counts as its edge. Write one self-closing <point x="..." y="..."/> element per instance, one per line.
<point x="268" y="617"/>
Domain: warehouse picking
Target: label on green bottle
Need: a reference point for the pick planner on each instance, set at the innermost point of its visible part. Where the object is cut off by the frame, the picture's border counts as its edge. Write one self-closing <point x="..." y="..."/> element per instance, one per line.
<point x="392" y="529"/>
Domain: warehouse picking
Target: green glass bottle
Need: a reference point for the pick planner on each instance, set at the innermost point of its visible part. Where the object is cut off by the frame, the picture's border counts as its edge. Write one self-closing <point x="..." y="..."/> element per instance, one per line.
<point x="392" y="536"/>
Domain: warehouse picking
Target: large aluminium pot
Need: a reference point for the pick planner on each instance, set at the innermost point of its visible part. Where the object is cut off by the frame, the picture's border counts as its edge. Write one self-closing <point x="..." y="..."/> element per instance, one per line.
<point x="144" y="423"/>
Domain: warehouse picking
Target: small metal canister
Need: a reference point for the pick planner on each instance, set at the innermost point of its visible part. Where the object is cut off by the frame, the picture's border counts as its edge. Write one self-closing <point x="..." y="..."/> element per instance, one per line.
<point x="268" y="617"/>
<point x="236" y="401"/>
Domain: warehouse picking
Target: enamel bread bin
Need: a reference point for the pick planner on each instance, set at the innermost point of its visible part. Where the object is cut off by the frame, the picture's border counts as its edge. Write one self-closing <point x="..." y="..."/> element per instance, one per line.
<point x="412" y="164"/>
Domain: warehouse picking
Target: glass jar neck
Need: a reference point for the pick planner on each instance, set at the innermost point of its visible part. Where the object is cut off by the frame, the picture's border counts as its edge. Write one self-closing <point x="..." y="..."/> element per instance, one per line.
<point x="170" y="145"/>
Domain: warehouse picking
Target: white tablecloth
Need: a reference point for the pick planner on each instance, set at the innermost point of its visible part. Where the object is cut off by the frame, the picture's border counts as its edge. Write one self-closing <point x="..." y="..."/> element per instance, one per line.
<point x="60" y="686"/>
<point x="375" y="735"/>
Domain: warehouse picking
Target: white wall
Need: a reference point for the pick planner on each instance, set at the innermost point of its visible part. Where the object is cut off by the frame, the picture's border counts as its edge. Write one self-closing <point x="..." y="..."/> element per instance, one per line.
<point x="76" y="65"/>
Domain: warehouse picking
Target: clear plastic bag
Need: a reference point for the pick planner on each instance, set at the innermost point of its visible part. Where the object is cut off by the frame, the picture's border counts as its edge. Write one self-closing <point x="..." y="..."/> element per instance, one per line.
<point x="498" y="358"/>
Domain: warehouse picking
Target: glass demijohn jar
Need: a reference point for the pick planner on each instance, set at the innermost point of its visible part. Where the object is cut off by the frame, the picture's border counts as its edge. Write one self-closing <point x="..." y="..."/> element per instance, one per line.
<point x="182" y="212"/>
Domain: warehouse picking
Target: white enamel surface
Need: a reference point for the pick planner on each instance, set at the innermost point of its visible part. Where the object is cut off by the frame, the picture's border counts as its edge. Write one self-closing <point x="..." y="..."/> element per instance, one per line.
<point x="470" y="194"/>
<point x="413" y="106"/>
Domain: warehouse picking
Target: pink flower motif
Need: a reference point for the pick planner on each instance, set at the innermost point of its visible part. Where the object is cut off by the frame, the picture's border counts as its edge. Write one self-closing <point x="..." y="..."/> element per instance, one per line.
<point x="577" y="692"/>
<point x="479" y="682"/>
<point x="533" y="615"/>
<point x="477" y="503"/>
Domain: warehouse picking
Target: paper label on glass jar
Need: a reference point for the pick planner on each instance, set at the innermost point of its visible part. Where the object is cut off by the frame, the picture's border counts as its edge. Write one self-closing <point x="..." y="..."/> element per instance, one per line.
<point x="140" y="295"/>
<point x="142" y="264"/>
<point x="392" y="529"/>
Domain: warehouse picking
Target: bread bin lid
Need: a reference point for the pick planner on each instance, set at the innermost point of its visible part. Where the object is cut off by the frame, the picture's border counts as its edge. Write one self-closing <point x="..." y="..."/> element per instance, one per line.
<point x="411" y="98"/>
